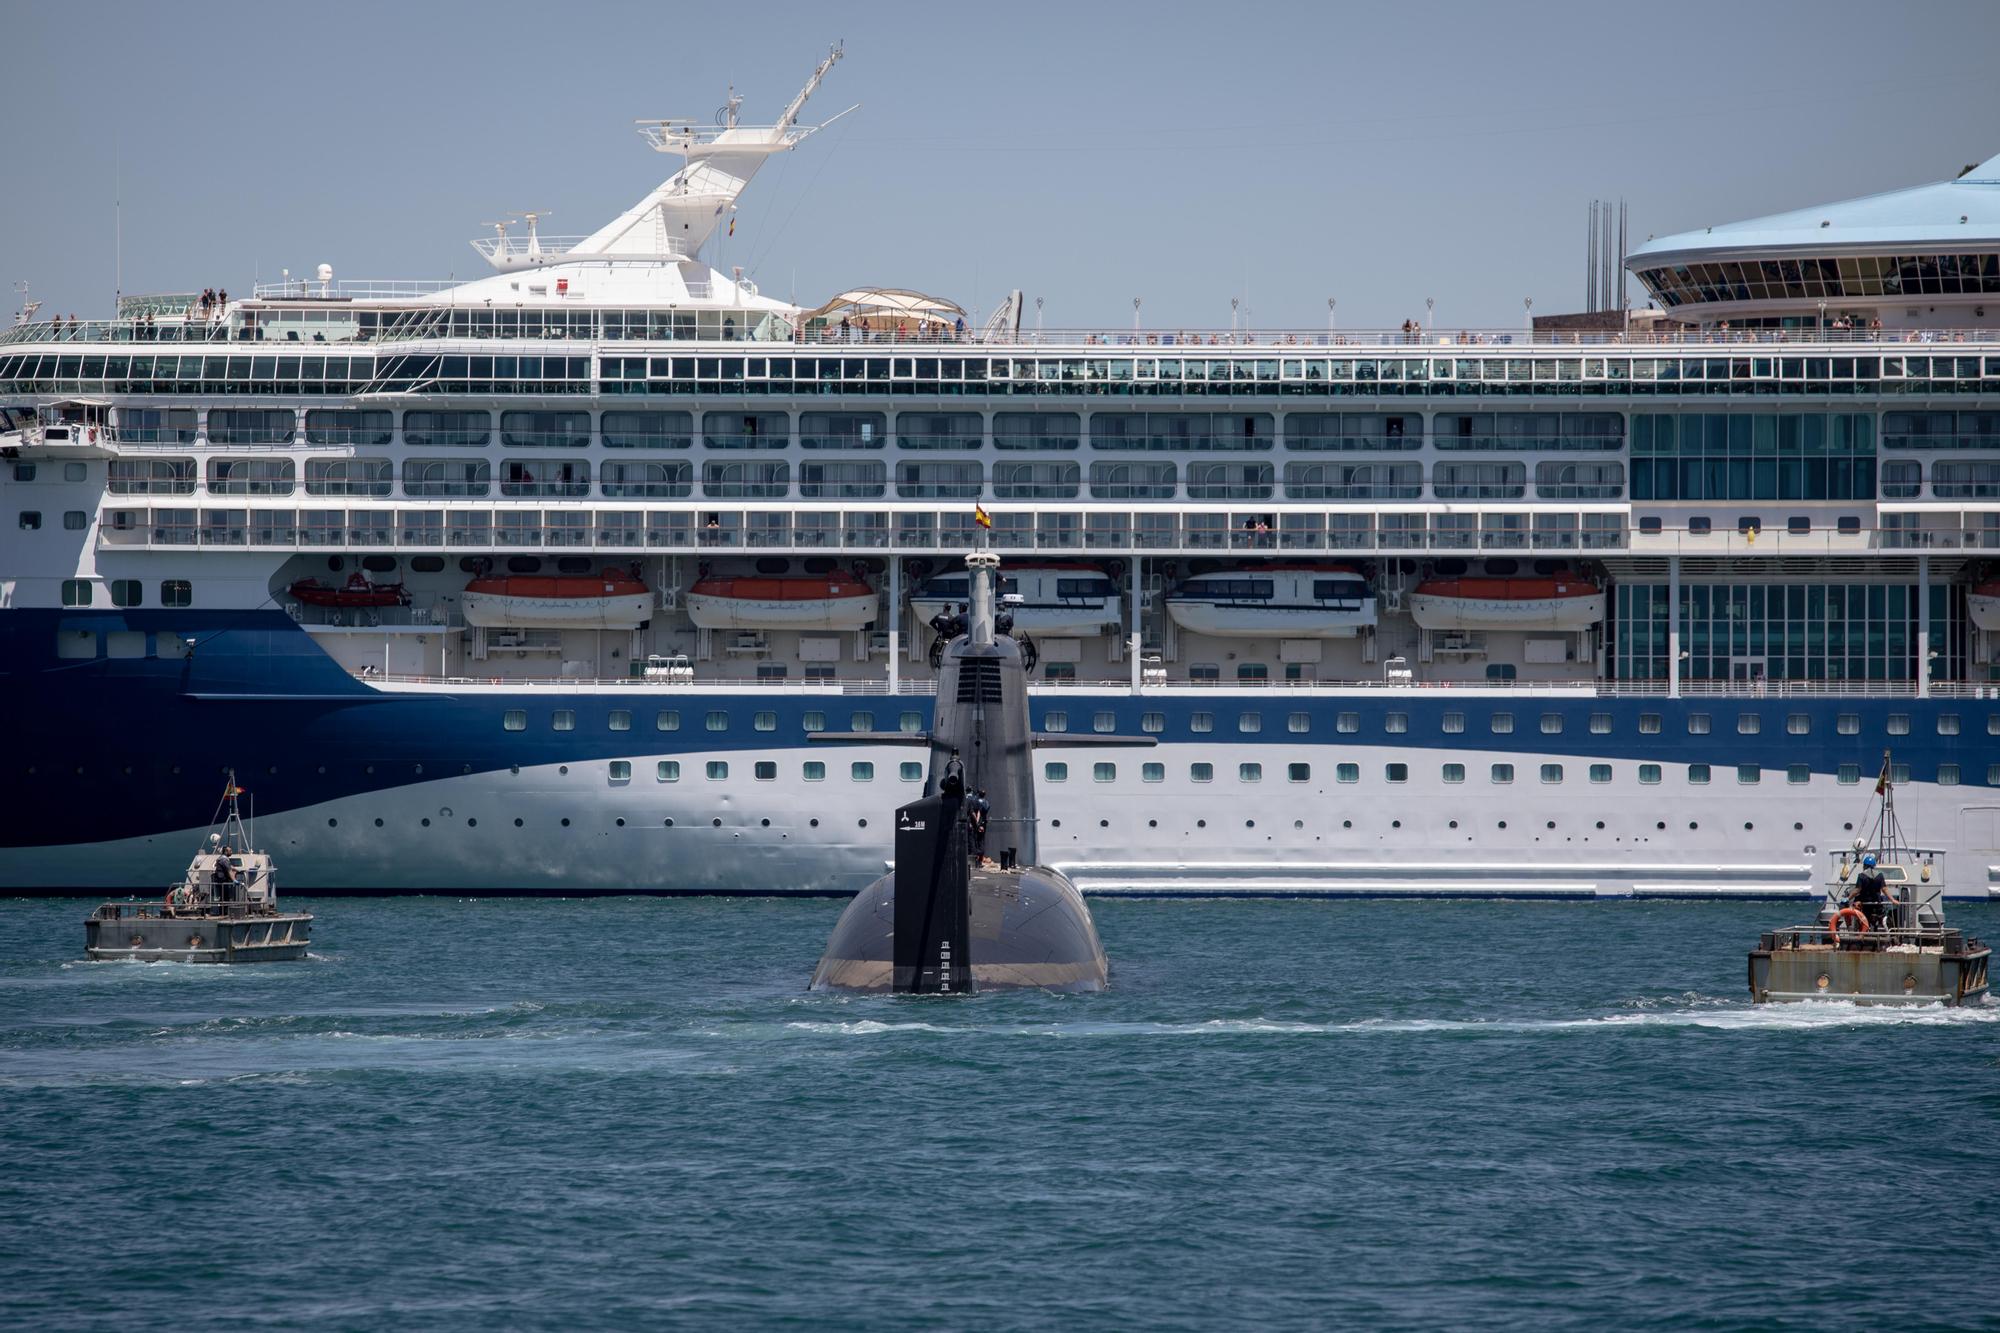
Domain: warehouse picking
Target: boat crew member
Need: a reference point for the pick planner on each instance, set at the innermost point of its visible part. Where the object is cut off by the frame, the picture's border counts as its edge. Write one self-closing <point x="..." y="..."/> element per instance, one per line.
<point x="976" y="816"/>
<point x="1871" y="893"/>
<point x="223" y="875"/>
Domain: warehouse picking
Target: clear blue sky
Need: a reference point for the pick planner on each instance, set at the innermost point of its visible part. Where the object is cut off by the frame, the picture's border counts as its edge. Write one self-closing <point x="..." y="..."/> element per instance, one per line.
<point x="1087" y="153"/>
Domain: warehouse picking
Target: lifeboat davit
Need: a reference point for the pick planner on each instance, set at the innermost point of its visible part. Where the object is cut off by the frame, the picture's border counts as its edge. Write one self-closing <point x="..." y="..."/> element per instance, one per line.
<point x="782" y="601"/>
<point x="1056" y="599"/>
<point x="357" y="591"/>
<point x="1571" y="604"/>
<point x="1982" y="604"/>
<point x="1275" y="601"/>
<point x="611" y="600"/>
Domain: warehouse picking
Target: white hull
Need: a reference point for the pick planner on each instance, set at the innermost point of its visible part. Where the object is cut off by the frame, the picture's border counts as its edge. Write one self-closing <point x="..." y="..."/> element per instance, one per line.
<point x="1228" y="621"/>
<point x="1984" y="611"/>
<point x="499" y="611"/>
<point x="838" y="613"/>
<point x="1569" y="614"/>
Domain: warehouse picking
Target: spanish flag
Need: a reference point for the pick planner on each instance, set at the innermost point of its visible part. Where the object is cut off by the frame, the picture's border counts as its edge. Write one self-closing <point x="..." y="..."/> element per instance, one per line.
<point x="732" y="225"/>
<point x="1882" y="783"/>
<point x="981" y="517"/>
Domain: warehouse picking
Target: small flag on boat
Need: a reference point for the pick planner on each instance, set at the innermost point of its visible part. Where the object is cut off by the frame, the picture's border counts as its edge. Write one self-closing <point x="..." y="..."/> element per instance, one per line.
<point x="235" y="790"/>
<point x="1882" y="783"/>
<point x="981" y="517"/>
<point x="732" y="226"/>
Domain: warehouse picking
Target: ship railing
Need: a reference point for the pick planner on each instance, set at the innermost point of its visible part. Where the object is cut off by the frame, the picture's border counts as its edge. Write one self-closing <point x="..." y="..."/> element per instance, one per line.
<point x="352" y="289"/>
<point x="840" y="685"/>
<point x="511" y="248"/>
<point x="374" y="617"/>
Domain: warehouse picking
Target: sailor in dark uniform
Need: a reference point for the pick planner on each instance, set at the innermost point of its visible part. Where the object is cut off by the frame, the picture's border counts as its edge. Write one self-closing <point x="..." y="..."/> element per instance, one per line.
<point x="1871" y="893"/>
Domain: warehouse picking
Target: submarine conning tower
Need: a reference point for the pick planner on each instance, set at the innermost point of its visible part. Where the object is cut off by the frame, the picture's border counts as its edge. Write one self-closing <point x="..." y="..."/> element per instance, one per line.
<point x="947" y="920"/>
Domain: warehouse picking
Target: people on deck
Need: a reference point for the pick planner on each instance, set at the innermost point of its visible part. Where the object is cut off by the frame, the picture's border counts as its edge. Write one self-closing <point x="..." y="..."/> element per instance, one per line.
<point x="976" y="816"/>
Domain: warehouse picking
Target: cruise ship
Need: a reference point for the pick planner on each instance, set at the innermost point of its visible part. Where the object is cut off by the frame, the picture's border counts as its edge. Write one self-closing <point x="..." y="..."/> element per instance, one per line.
<point x="546" y="582"/>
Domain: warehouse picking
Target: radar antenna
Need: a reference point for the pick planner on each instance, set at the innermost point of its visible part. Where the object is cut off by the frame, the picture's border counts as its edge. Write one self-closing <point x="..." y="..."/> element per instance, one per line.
<point x="26" y="314"/>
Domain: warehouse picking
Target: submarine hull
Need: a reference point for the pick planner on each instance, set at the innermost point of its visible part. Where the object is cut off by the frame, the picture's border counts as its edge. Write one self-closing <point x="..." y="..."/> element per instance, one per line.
<point x="1026" y="929"/>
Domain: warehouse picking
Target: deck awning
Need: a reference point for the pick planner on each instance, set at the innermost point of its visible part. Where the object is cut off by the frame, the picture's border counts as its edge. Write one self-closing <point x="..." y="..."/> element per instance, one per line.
<point x="884" y="308"/>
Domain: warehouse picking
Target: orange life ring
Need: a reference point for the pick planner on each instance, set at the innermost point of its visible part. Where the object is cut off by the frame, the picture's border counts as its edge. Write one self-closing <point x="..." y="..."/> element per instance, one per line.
<point x="1833" y="926"/>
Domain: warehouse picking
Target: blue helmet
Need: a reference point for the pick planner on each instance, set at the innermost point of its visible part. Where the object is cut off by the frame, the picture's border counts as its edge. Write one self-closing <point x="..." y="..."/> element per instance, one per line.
<point x="1868" y="861"/>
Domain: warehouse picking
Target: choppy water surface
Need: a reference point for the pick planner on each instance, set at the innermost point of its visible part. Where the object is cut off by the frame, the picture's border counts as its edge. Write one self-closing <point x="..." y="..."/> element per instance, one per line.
<point x="605" y="1113"/>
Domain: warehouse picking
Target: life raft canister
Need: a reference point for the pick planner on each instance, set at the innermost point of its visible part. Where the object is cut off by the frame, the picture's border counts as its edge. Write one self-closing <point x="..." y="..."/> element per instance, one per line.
<point x="1833" y="926"/>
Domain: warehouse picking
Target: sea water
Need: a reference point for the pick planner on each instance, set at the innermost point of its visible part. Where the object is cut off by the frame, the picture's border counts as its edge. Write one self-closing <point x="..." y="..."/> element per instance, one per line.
<point x="612" y="1113"/>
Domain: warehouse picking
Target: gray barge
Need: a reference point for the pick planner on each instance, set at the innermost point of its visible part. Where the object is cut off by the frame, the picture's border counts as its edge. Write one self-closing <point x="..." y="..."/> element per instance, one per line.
<point x="1880" y="937"/>
<point x="223" y="910"/>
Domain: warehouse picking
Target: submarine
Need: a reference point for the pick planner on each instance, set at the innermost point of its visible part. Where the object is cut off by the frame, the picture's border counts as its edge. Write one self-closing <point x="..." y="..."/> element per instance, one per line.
<point x="947" y="919"/>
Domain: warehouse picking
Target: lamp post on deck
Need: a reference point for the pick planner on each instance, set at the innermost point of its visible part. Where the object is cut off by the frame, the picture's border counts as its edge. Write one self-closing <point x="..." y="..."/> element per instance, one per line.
<point x="1822" y="319"/>
<point x="1233" y="303"/>
<point x="1329" y="319"/>
<point x="1038" y="319"/>
<point x="1528" y="307"/>
<point x="1430" y="320"/>
<point x="1135" y="314"/>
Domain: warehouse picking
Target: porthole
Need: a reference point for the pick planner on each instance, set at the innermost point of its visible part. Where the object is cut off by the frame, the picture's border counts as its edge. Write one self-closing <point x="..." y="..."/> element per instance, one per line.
<point x="565" y="822"/>
<point x="1104" y="823"/>
<point x="765" y="822"/>
<point x="621" y="823"/>
<point x="128" y="770"/>
<point x="1552" y="823"/>
<point x="369" y="769"/>
<point x="1347" y="823"/>
<point x="1298" y="823"/>
<point x="472" y="823"/>
<point x="1201" y="823"/>
<point x="713" y="822"/>
<point x="666" y="823"/>
<point x="378" y="821"/>
<point x="322" y="768"/>
<point x="1503" y="823"/>
<point x="1395" y="823"/>
<point x="810" y="823"/>
<point x="1747" y="826"/>
<point x="420" y="769"/>
<point x="425" y="822"/>
<point x="1848" y="827"/>
<point x="465" y="768"/>
<point x="333" y="823"/>
<point x="1798" y="828"/>
<point x="177" y="768"/>
<point x="269" y="772"/>
<point x="515" y="770"/>
<point x="517" y="822"/>
<point x="1249" y="823"/>
<point x="1055" y="823"/>
<point x="1600" y="823"/>
<point x="1661" y="824"/>
<point x="1692" y="824"/>
<point x="1454" y="823"/>
<point x="1152" y="823"/>
<point x="862" y="823"/>
<point x="563" y="771"/>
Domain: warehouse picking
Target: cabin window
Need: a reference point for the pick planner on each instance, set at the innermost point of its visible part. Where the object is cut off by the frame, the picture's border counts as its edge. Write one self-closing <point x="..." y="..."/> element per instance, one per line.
<point x="1501" y="671"/>
<point x="1698" y="774"/>
<point x="1552" y="773"/>
<point x="1347" y="723"/>
<point x="1899" y="724"/>
<point x="1649" y="724"/>
<point x="1454" y="773"/>
<point x="667" y="720"/>
<point x="861" y="722"/>
<point x="1993" y="724"/>
<point x="1798" y="774"/>
<point x="1600" y="724"/>
<point x="1503" y="773"/>
<point x="176" y="592"/>
<point x="1252" y="671"/>
<point x="1153" y="722"/>
<point x="1249" y="722"/>
<point x="1899" y="774"/>
<point x="764" y="721"/>
<point x="861" y="771"/>
<point x="1454" y="723"/>
<point x="1204" y="671"/>
<point x="717" y="720"/>
<point x="1749" y="775"/>
<point x="1347" y="772"/>
<point x="76" y="592"/>
<point x="75" y="520"/>
<point x="620" y="719"/>
<point x="1649" y="775"/>
<point x="910" y="770"/>
<point x="1201" y="772"/>
<point x="813" y="721"/>
<point x="1600" y="772"/>
<point x="1749" y="724"/>
<point x="1298" y="772"/>
<point x="910" y="723"/>
<point x="1396" y="772"/>
<point x="669" y="770"/>
<point x="1947" y="724"/>
<point x="1699" y="724"/>
<point x="718" y="770"/>
<point x="1502" y="723"/>
<point x="1396" y="723"/>
<point x="1552" y="724"/>
<point x="621" y="770"/>
<point x="514" y="719"/>
<point x="1850" y="774"/>
<point x="815" y="770"/>
<point x="1055" y="720"/>
<point x="1055" y="772"/>
<point x="1798" y="724"/>
<point x="1104" y="772"/>
<point x="127" y="592"/>
<point x="1058" y="671"/>
<point x="31" y="520"/>
<point x="1201" y="722"/>
<point x="1848" y="724"/>
<point x="563" y="719"/>
<point x="1299" y="723"/>
<point x="1947" y="775"/>
<point x="1152" y="772"/>
<point x="1249" y="772"/>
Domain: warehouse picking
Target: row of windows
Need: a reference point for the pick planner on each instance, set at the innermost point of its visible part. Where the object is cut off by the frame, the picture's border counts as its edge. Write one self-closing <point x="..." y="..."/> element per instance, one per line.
<point x="669" y="719"/>
<point x="1806" y="279"/>
<point x="766" y="770"/>
<point x="1550" y="774"/>
<point x="126" y="592"/>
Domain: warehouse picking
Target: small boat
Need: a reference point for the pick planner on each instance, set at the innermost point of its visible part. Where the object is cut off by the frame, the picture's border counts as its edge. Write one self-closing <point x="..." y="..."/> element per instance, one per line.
<point x="1572" y="604"/>
<point x="1063" y="600"/>
<point x="613" y="599"/>
<point x="223" y="910"/>
<point x="782" y="601"/>
<point x="1880" y="935"/>
<point x="1982" y="605"/>
<point x="1275" y="601"/>
<point x="358" y="591"/>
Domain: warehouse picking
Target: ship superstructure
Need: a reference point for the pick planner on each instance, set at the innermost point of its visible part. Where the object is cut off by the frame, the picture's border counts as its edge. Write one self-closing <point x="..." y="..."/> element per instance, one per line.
<point x="544" y="580"/>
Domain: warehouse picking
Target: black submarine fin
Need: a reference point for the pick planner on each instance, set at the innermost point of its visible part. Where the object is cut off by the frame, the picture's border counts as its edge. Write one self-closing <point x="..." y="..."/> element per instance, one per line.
<point x="933" y="914"/>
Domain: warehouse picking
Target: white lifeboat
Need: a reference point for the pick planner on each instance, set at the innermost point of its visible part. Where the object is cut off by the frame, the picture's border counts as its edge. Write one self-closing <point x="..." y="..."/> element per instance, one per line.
<point x="1982" y="605"/>
<point x="1056" y="599"/>
<point x="1572" y="604"/>
<point x="611" y="600"/>
<point x="785" y="601"/>
<point x="1275" y="601"/>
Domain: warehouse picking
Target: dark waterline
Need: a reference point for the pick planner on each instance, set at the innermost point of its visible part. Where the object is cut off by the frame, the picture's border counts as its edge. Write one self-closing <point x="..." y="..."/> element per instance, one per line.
<point x="608" y="1112"/>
